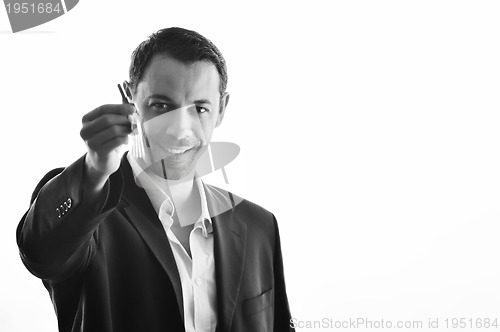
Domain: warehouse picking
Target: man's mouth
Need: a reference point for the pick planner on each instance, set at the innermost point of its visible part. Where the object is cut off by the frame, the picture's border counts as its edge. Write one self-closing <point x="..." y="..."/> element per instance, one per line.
<point x="178" y="150"/>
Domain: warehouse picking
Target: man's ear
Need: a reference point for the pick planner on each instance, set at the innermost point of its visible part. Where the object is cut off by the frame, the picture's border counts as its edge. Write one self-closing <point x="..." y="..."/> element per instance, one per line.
<point x="128" y="90"/>
<point x="222" y="108"/>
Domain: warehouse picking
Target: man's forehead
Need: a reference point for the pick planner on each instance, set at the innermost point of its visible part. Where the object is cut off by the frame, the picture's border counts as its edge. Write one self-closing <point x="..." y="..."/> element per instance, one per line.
<point x="166" y="75"/>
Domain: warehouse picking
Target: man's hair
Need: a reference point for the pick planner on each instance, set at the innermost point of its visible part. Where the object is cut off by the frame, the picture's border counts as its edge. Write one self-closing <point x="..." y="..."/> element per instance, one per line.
<point x="183" y="45"/>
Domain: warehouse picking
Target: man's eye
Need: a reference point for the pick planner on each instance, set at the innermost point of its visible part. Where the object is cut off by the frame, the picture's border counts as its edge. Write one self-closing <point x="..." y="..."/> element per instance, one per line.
<point x="159" y="106"/>
<point x="202" y="109"/>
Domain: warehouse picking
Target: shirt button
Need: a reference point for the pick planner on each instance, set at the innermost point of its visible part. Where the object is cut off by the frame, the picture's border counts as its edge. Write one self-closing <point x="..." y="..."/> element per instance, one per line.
<point x="198" y="281"/>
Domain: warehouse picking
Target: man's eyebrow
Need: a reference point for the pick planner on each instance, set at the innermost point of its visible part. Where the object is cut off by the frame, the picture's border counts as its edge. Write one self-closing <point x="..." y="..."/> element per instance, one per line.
<point x="160" y="96"/>
<point x="202" y="101"/>
<point x="167" y="98"/>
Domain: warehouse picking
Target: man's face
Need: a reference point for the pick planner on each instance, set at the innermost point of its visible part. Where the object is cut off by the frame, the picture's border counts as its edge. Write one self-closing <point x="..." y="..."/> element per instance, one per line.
<point x="181" y="133"/>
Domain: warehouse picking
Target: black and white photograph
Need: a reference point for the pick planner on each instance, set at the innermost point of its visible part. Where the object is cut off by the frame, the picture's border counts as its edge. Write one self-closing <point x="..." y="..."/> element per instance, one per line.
<point x="217" y="166"/>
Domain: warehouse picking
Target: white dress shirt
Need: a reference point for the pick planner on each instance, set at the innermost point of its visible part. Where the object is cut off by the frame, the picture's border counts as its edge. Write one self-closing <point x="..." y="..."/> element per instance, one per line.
<point x="197" y="273"/>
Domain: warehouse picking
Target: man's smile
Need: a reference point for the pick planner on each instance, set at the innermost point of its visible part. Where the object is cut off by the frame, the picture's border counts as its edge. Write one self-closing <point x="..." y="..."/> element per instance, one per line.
<point x="178" y="150"/>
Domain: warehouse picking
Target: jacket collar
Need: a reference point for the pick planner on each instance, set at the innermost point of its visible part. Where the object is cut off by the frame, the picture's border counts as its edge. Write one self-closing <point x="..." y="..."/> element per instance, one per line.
<point x="229" y="242"/>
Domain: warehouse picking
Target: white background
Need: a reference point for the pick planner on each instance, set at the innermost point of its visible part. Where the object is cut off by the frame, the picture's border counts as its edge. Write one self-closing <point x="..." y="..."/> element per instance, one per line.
<point x="369" y="128"/>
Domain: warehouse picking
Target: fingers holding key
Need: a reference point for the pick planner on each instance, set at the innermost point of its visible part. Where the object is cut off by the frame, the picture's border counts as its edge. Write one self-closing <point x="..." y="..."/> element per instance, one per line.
<point x="104" y="130"/>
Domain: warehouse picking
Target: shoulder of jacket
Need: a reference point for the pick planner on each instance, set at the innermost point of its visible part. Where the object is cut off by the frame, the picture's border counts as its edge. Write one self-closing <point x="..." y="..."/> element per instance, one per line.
<point x="248" y="210"/>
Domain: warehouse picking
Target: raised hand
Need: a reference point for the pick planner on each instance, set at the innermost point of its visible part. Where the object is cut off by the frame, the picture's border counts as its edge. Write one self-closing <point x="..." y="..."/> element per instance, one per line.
<point x="105" y="130"/>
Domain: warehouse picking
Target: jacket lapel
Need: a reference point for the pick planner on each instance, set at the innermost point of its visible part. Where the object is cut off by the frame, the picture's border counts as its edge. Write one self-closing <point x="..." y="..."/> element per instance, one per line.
<point x="230" y="236"/>
<point x="142" y="216"/>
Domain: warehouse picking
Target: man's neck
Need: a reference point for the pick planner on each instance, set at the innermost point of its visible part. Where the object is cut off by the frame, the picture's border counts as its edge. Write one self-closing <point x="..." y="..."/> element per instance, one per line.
<point x="181" y="190"/>
<point x="187" y="201"/>
<point x="184" y="194"/>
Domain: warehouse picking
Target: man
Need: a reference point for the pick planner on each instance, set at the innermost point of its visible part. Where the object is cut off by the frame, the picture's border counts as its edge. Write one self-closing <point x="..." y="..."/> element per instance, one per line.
<point x="139" y="242"/>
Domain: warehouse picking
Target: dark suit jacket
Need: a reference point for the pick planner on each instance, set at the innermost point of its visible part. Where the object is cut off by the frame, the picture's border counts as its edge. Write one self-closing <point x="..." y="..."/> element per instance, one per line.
<point x="108" y="265"/>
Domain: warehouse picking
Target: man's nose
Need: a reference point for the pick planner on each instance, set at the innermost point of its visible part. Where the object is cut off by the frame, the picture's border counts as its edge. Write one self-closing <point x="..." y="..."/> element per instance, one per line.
<point x="183" y="122"/>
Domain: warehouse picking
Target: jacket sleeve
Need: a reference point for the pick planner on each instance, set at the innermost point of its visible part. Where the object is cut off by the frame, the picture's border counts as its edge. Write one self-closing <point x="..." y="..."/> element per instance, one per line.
<point x="282" y="317"/>
<point x="56" y="235"/>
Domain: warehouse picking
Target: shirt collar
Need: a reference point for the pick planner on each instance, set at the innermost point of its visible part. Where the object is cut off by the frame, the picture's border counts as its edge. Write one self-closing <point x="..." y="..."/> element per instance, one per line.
<point x="163" y="203"/>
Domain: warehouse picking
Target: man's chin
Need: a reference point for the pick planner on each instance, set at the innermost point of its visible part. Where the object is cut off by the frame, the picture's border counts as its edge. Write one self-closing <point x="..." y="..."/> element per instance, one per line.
<point x="171" y="172"/>
<point x="178" y="167"/>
